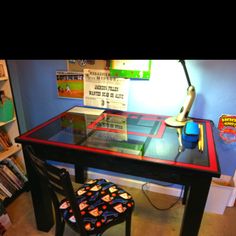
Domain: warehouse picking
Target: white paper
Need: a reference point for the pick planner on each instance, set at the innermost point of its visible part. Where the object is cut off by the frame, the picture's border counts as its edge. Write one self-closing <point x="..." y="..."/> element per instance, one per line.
<point x="87" y="111"/>
<point x="101" y="90"/>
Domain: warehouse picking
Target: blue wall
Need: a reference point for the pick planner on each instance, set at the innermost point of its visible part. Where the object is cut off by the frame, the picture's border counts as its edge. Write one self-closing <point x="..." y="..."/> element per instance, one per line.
<point x="34" y="84"/>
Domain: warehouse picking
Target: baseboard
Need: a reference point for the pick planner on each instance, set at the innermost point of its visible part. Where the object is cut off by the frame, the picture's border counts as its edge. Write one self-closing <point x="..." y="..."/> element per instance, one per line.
<point x="137" y="184"/>
<point x="131" y="182"/>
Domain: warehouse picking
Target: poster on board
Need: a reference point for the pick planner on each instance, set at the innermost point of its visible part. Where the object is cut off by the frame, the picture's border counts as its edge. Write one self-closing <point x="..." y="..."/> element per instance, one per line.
<point x="70" y="84"/>
<point x="103" y="91"/>
<point x="133" y="69"/>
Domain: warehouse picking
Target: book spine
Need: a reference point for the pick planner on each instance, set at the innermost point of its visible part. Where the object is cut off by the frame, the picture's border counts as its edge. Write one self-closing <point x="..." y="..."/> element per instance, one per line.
<point x="9" y="162"/>
<point x="5" y="190"/>
<point x="7" y="182"/>
<point x="12" y="176"/>
<point x="4" y="136"/>
<point x="18" y="164"/>
<point x="2" y="194"/>
<point x="3" y="145"/>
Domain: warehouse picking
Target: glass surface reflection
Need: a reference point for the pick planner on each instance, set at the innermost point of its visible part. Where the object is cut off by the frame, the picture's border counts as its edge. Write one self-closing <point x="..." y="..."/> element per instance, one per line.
<point x="123" y="132"/>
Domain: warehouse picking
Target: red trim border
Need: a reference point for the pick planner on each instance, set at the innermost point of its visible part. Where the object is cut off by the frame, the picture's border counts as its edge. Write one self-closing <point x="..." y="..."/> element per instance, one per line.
<point x="213" y="165"/>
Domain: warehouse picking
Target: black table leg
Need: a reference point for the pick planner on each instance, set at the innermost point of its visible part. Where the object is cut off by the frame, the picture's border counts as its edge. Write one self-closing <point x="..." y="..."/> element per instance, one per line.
<point x="80" y="174"/>
<point x="195" y="205"/>
<point x="186" y="188"/>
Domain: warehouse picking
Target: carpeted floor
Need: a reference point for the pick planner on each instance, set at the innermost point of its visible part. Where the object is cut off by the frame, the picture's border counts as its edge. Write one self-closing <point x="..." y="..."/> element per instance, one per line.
<point x="146" y="219"/>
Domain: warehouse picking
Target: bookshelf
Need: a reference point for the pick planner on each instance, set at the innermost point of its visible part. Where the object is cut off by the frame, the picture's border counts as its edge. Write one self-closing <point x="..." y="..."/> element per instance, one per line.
<point x="10" y="152"/>
<point x="9" y="121"/>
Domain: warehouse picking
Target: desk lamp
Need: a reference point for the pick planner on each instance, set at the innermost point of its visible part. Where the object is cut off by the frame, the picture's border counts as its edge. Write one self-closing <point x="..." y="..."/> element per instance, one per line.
<point x="181" y="119"/>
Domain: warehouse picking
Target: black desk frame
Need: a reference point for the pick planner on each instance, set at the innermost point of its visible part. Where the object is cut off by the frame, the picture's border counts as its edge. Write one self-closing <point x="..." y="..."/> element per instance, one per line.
<point x="197" y="182"/>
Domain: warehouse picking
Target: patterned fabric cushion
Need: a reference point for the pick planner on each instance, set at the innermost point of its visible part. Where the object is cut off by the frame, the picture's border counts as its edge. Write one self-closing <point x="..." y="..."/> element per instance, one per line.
<point x="100" y="202"/>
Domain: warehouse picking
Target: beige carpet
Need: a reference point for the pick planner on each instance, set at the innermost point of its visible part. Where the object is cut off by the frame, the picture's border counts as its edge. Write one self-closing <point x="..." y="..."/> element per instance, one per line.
<point x="146" y="220"/>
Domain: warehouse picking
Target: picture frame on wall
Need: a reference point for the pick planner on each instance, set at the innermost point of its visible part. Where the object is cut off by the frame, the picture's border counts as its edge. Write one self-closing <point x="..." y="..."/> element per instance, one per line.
<point x="70" y="84"/>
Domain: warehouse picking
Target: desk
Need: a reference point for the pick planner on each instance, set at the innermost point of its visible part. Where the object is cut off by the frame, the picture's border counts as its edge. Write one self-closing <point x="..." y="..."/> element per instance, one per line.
<point x="125" y="142"/>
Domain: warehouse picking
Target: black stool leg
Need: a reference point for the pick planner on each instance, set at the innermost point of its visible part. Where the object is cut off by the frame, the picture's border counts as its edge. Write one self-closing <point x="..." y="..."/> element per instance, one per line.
<point x="80" y="174"/>
<point x="128" y="225"/>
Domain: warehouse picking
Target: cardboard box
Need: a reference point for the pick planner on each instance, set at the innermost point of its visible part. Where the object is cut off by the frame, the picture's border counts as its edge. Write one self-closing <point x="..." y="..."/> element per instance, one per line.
<point x="222" y="194"/>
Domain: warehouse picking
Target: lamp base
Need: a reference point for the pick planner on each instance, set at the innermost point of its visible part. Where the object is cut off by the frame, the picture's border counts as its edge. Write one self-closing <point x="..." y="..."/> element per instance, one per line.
<point x="171" y="121"/>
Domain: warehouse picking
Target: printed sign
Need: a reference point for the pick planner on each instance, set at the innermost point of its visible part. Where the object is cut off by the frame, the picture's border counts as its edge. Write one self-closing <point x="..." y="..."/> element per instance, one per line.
<point x="227" y="128"/>
<point x="101" y="90"/>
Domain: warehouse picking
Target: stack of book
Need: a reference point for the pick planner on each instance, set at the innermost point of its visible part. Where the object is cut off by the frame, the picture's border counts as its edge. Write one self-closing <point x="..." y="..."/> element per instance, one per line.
<point x="12" y="177"/>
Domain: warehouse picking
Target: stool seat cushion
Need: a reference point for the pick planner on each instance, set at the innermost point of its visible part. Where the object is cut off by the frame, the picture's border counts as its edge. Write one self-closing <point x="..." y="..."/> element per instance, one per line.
<point x="101" y="202"/>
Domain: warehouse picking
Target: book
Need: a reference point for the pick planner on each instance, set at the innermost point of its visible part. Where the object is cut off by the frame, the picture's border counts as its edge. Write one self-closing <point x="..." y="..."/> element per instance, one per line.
<point x="8" y="182"/>
<point x="19" y="164"/>
<point x="15" y="169"/>
<point x="17" y="182"/>
<point x="3" y="145"/>
<point x="5" y="137"/>
<point x="2" y="195"/>
<point x="5" y="142"/>
<point x="5" y="190"/>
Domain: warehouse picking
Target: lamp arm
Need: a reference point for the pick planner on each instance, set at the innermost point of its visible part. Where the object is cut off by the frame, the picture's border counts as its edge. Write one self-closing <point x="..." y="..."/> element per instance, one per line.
<point x="181" y="119"/>
<point x="186" y="72"/>
<point x="185" y="109"/>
